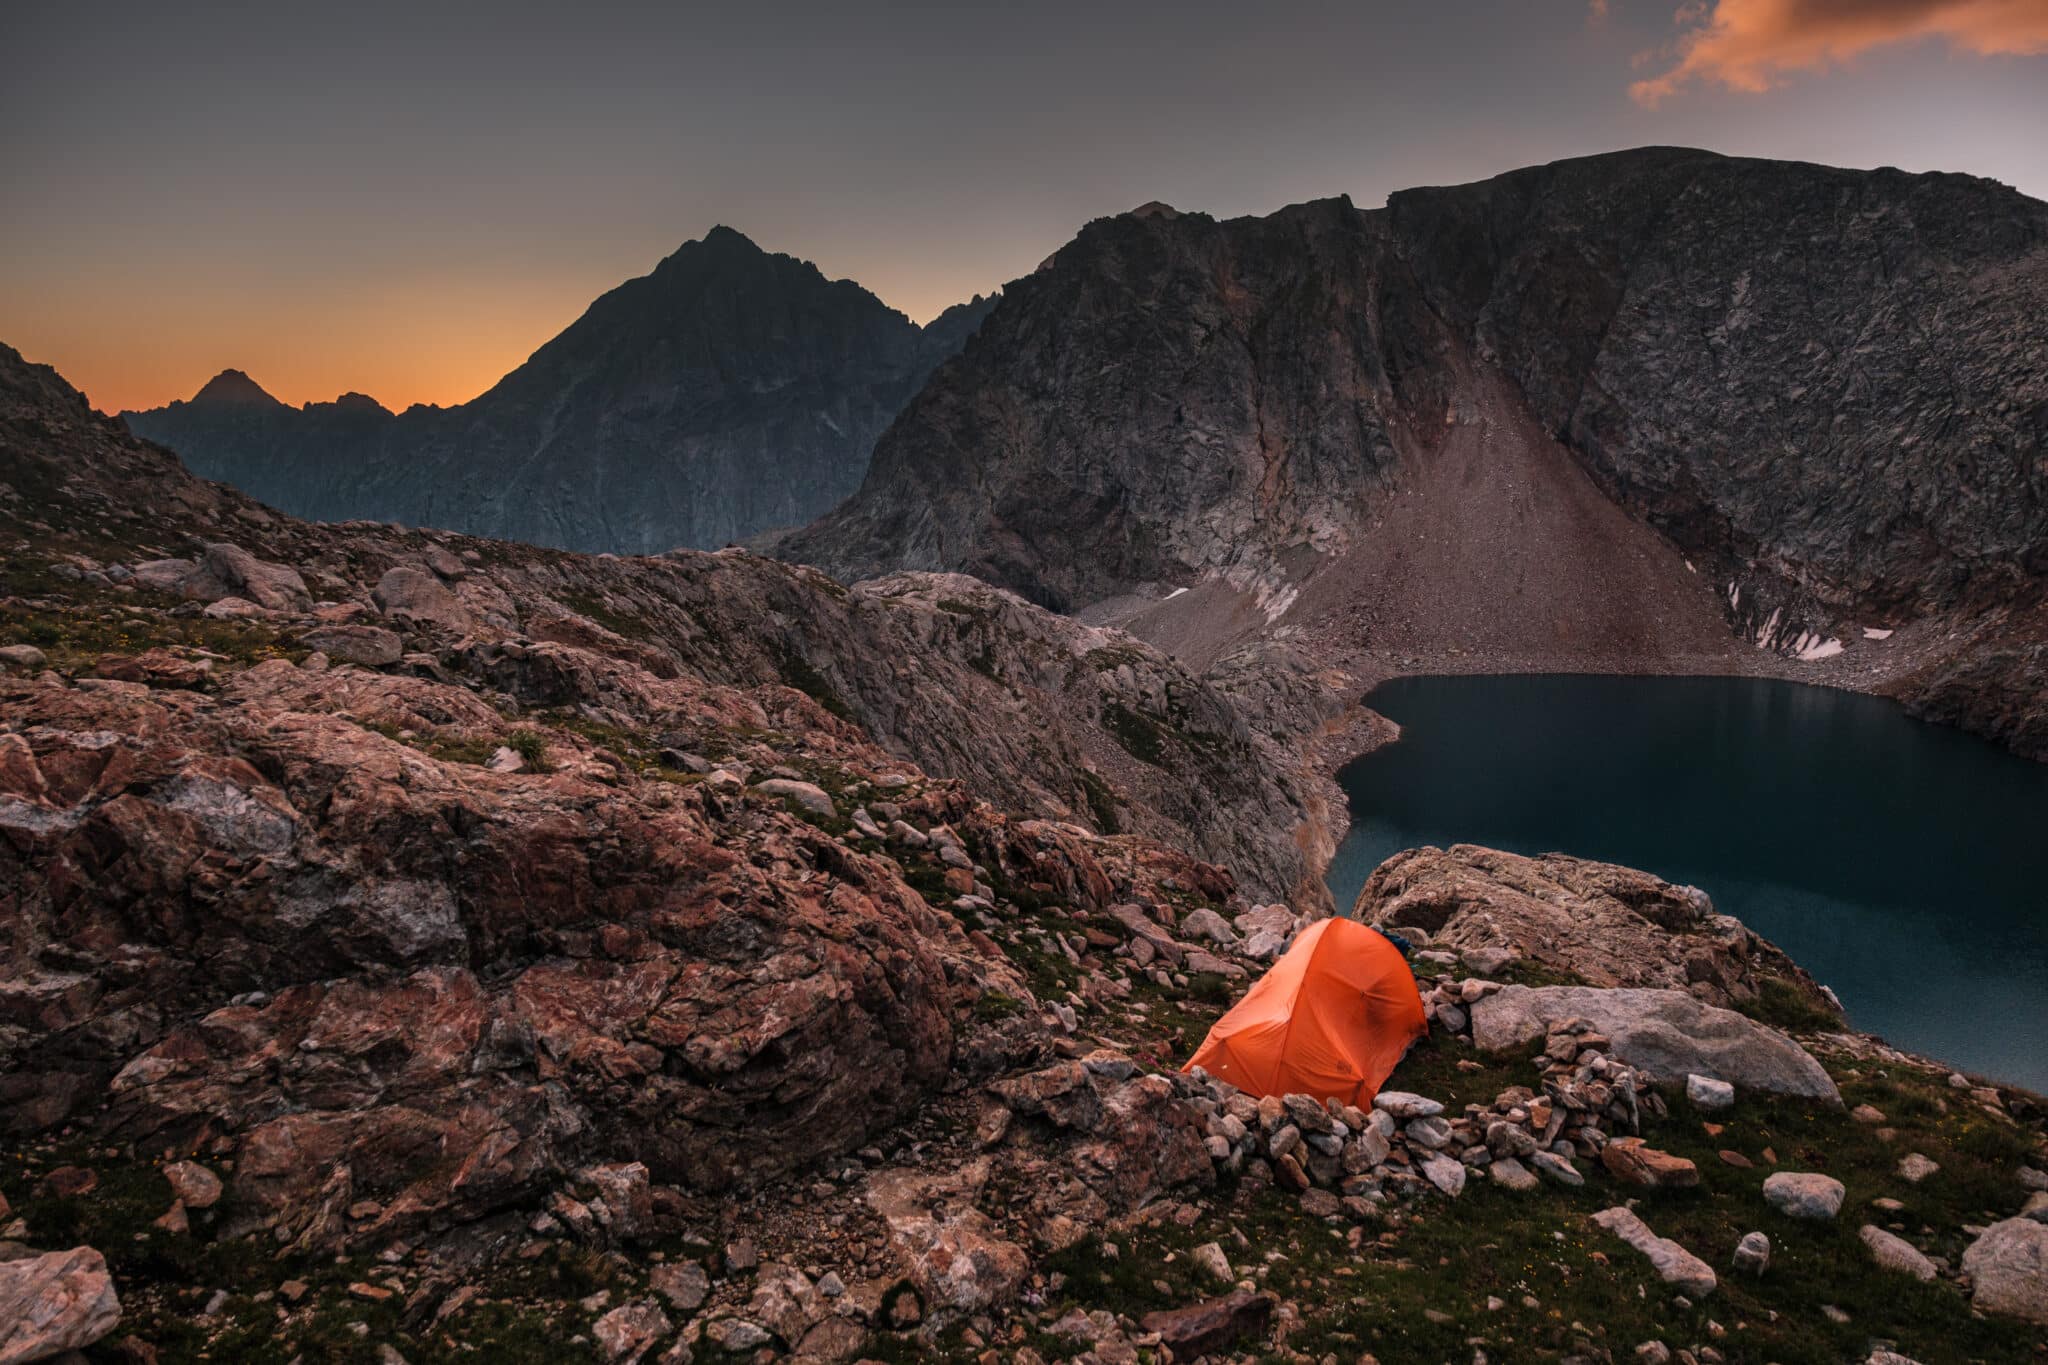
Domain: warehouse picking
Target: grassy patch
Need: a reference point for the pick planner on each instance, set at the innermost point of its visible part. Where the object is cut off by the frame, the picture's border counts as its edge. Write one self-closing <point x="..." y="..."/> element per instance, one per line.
<point x="1783" y="1005"/>
<point x="797" y="672"/>
<point x="1137" y="734"/>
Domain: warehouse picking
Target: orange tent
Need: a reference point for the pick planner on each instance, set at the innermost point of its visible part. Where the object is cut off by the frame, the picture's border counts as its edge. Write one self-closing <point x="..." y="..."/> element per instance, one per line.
<point x="1329" y="1019"/>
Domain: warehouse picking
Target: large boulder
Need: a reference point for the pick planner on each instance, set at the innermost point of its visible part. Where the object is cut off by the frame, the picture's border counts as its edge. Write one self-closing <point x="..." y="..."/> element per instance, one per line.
<point x="231" y="571"/>
<point x="1605" y="924"/>
<point x="949" y="1248"/>
<point x="1667" y="1033"/>
<point x="58" y="1302"/>
<point x="411" y="593"/>
<point x="2009" y="1266"/>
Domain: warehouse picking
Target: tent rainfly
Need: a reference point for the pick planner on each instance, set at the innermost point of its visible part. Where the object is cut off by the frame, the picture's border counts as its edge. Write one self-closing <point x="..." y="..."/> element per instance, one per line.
<point x="1330" y="1019"/>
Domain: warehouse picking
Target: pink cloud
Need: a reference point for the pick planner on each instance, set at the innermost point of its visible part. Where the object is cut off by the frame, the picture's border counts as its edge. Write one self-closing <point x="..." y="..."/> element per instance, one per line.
<point x="1751" y="44"/>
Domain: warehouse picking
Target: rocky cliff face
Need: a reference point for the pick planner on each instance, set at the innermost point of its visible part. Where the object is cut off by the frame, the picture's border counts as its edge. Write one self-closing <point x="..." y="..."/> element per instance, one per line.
<point x="727" y="392"/>
<point x="1815" y="396"/>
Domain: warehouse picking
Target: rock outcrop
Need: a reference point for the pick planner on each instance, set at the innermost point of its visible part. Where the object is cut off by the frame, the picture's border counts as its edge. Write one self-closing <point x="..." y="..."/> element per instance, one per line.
<point x="1602" y="924"/>
<point x="727" y="392"/>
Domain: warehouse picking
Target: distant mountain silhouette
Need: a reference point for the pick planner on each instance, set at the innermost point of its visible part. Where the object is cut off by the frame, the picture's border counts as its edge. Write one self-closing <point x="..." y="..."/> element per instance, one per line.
<point x="728" y="392"/>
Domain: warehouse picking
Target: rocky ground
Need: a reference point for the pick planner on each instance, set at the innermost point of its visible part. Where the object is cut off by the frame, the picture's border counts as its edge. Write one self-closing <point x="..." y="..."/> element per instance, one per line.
<point x="422" y="948"/>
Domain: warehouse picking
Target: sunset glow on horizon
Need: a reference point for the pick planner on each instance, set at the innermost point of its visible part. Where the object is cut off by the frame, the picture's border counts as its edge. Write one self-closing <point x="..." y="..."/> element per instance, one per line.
<point x="329" y="208"/>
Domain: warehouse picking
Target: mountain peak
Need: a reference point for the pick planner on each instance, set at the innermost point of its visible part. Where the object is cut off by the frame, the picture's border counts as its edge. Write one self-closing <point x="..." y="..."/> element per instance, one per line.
<point x="232" y="388"/>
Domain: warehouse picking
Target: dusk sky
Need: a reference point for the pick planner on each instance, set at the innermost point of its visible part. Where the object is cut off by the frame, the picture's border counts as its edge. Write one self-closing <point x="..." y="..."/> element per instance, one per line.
<point x="406" y="200"/>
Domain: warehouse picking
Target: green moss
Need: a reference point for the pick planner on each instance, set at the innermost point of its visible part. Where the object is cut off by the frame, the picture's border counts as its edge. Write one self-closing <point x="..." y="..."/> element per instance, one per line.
<point x="1137" y="734"/>
<point x="1785" y="1005"/>
<point x="532" y="748"/>
<point x="798" y="672"/>
<point x="619" y="623"/>
<point x="1102" y="803"/>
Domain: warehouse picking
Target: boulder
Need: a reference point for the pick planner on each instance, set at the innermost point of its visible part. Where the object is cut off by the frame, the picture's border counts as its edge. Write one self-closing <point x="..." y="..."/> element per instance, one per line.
<point x="1753" y="1253"/>
<point x="2009" y="1266"/>
<point x="1673" y="1263"/>
<point x="627" y="1332"/>
<point x="683" y="1283"/>
<point x="193" y="1185"/>
<point x="22" y="658"/>
<point x="1445" y="1173"/>
<point x="57" y="1302"/>
<point x="1892" y="1252"/>
<point x="1804" y="1194"/>
<point x="948" y="1248"/>
<point x="230" y="571"/>
<point x="1210" y="1260"/>
<point x="810" y="796"/>
<point x="1667" y="1033"/>
<point x="415" y="594"/>
<point x="1632" y="1162"/>
<point x="1211" y="1328"/>
<point x="1404" y="1105"/>
<point x="369" y="646"/>
<point x="1709" y="1094"/>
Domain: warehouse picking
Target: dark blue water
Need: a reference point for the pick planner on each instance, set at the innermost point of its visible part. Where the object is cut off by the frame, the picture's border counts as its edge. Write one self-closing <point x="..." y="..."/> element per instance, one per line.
<point x="1903" y="864"/>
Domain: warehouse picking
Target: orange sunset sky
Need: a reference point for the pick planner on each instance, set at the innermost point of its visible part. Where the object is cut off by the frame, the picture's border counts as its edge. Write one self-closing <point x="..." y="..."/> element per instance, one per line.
<point x="406" y="202"/>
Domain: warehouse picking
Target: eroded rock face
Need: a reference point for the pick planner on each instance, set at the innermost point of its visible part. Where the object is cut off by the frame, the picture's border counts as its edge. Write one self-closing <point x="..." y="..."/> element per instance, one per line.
<point x="666" y="979"/>
<point x="1668" y="1033"/>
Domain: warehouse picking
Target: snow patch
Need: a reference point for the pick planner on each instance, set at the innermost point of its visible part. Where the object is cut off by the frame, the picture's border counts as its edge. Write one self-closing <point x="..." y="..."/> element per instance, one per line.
<point x="1824" y="649"/>
<point x="1873" y="633"/>
<point x="1175" y="593"/>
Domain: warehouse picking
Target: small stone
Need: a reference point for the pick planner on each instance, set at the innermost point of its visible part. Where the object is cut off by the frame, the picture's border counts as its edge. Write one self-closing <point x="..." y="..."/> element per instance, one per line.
<point x="1709" y="1094"/>
<point x="810" y="796"/>
<point x="741" y="1256"/>
<point x="1653" y="1353"/>
<point x="1433" y="1133"/>
<point x="193" y="1183"/>
<point x="1555" y="1168"/>
<point x="1403" y="1104"/>
<point x="628" y="1331"/>
<point x="1867" y="1113"/>
<point x="1673" y="1263"/>
<point x="1512" y="1174"/>
<point x="736" y="1335"/>
<point x="683" y="1283"/>
<point x="1915" y="1167"/>
<point x="1753" y="1253"/>
<point x="1633" y="1162"/>
<point x="1801" y="1194"/>
<point x="1444" y="1173"/>
<point x="1210" y="1260"/>
<point x="1892" y="1252"/>
<point x="23" y="658"/>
